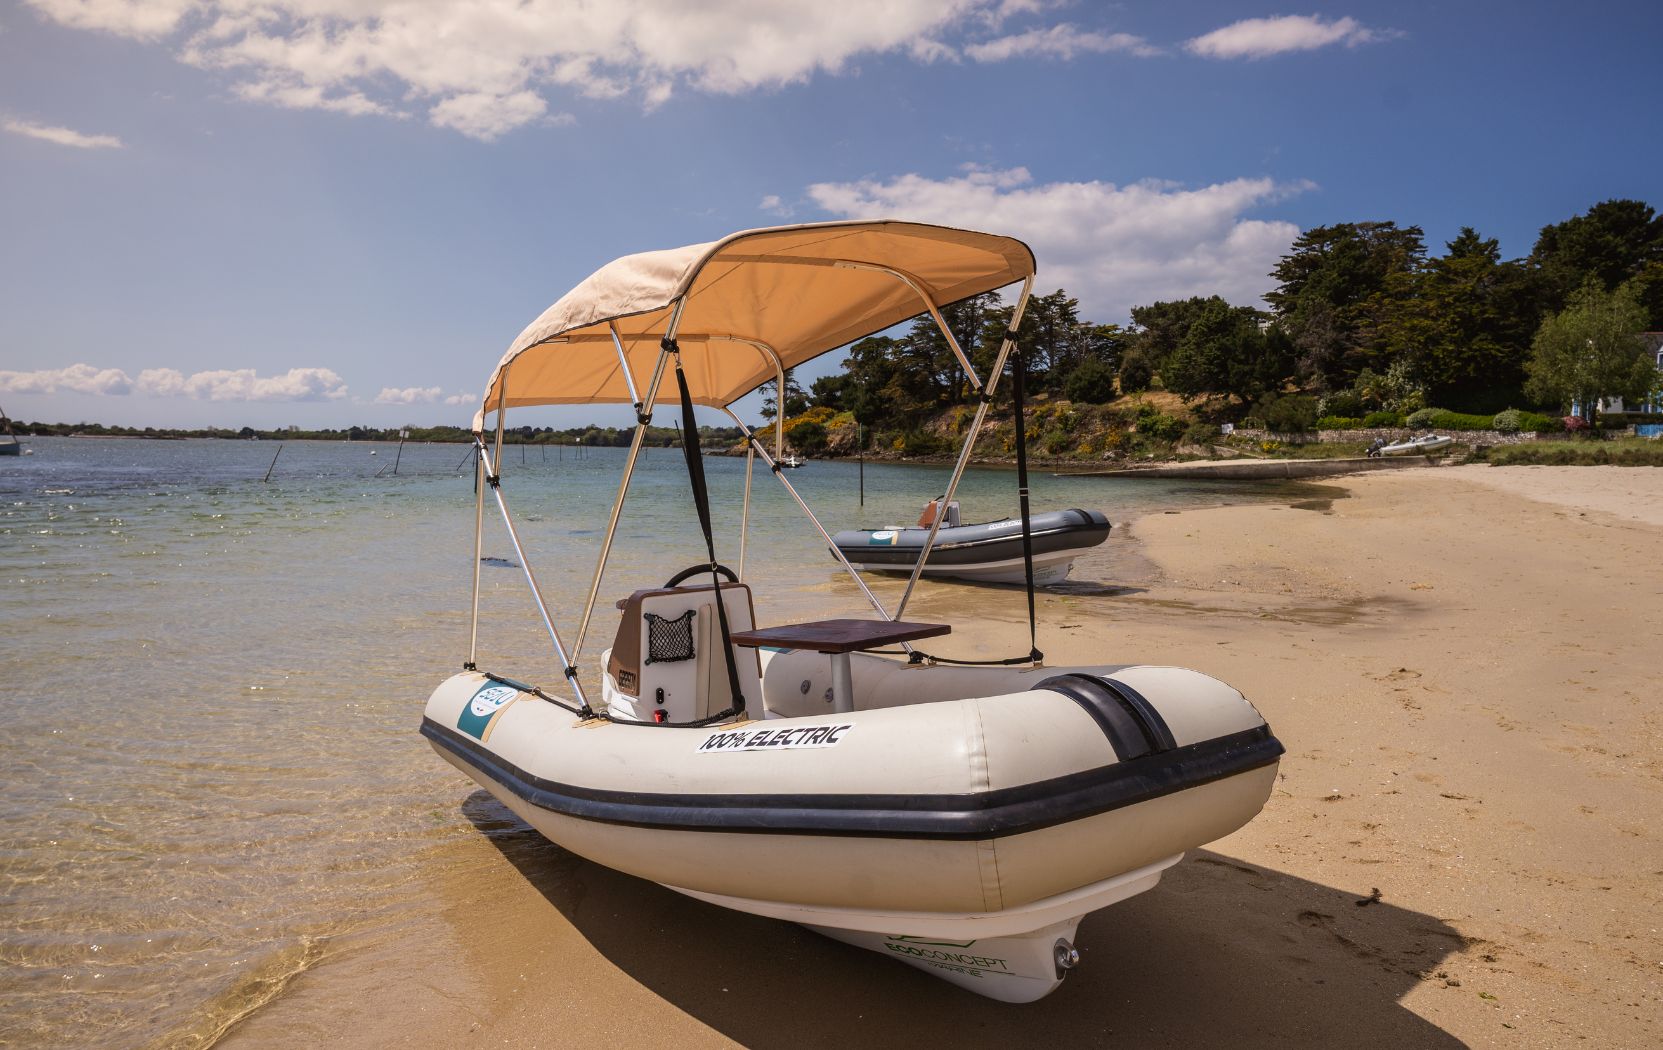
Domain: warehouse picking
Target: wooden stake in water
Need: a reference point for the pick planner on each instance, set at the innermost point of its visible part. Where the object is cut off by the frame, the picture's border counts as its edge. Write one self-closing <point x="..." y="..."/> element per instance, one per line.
<point x="274" y="456"/>
<point x="400" y="453"/>
<point x="860" y="453"/>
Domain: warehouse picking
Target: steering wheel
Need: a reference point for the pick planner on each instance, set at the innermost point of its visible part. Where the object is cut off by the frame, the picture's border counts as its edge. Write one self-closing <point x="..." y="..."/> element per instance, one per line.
<point x="688" y="573"/>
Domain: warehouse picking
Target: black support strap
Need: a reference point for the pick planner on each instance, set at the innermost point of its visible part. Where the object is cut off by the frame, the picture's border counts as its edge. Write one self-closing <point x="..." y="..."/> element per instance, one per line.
<point x="690" y="447"/>
<point x="1019" y="398"/>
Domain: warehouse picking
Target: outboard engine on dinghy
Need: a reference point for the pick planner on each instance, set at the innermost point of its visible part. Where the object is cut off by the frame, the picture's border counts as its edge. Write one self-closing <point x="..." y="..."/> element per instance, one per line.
<point x="665" y="663"/>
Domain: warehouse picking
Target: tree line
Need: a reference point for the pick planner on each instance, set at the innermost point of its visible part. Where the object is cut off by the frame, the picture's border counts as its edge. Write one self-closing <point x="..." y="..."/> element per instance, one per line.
<point x="592" y="436"/>
<point x="1362" y="318"/>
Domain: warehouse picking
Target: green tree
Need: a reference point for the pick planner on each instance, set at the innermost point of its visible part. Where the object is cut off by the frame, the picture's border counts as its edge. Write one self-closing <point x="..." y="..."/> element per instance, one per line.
<point x="1136" y="373"/>
<point x="1463" y="321"/>
<point x="1592" y="350"/>
<point x="1092" y="382"/>
<point x="1162" y="326"/>
<point x="1334" y="288"/>
<point x="829" y="391"/>
<point x="796" y="402"/>
<point x="1610" y="244"/>
<point x="1224" y="351"/>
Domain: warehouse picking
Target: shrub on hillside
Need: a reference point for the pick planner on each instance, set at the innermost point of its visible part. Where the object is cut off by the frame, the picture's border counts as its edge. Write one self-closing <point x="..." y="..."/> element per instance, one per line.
<point x="1443" y="419"/>
<point x="1344" y="403"/>
<point x="1091" y="383"/>
<point x="1292" y="414"/>
<point x="1421" y="419"/>
<point x="1136" y="373"/>
<point x="1581" y="453"/>
<point x="1160" y="426"/>
<point x="1201" y="433"/>
<point x="807" y="436"/>
<point x="1383" y="419"/>
<point x="1536" y="423"/>
<point x="1508" y="422"/>
<point x="921" y="443"/>
<point x="1339" y="423"/>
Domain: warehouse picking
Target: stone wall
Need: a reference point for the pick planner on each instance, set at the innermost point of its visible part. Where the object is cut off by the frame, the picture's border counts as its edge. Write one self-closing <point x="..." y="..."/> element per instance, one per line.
<point x="1391" y="435"/>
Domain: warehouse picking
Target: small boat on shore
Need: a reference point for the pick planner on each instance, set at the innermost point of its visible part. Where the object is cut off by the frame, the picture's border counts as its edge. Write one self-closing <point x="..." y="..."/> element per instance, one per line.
<point x="9" y="445"/>
<point x="984" y="552"/>
<point x="960" y="819"/>
<point x="1418" y="446"/>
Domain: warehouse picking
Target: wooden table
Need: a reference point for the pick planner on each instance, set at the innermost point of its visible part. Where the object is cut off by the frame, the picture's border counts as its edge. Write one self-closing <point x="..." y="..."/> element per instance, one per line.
<point x="837" y="639"/>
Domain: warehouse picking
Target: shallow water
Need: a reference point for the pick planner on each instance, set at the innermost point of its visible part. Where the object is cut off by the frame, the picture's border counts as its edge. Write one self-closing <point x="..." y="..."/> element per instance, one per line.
<point x="208" y="753"/>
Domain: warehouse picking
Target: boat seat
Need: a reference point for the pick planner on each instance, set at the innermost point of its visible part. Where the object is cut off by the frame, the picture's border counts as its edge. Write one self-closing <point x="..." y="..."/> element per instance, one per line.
<point x="665" y="663"/>
<point x="932" y="508"/>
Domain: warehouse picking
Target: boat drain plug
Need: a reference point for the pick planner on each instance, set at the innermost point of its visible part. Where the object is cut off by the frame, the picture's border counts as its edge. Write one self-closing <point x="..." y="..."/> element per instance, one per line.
<point x="1067" y="957"/>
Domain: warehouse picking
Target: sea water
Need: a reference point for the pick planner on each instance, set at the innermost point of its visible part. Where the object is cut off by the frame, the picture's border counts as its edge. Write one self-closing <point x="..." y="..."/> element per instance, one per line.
<point x="212" y="682"/>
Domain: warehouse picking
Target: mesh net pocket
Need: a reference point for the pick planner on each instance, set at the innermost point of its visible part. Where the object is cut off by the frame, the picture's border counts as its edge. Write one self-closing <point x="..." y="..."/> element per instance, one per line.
<point x="669" y="641"/>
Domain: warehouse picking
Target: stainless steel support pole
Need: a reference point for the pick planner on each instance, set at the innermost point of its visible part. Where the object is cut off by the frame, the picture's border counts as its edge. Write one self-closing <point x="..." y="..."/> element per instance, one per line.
<point x="745" y="508"/>
<point x="618" y="504"/>
<point x="623" y="363"/>
<point x="750" y="436"/>
<point x="929" y="304"/>
<point x="502" y="416"/>
<point x="478" y="545"/>
<point x="842" y="684"/>
<point x="969" y="443"/>
<point x="537" y="593"/>
<point x="772" y="356"/>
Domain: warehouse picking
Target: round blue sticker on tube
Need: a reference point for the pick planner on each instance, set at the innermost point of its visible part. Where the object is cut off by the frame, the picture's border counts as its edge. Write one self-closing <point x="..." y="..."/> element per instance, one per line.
<point x="483" y="709"/>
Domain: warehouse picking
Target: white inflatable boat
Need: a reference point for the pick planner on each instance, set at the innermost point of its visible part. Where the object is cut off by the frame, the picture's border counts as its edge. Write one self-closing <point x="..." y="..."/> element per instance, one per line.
<point x="961" y="819"/>
<point x="982" y="552"/>
<point x="1418" y="446"/>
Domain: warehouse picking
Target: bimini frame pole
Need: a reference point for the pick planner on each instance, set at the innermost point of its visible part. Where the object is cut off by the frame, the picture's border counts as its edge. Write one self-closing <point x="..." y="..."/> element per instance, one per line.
<point x="478" y="552"/>
<point x="1005" y="348"/>
<point x="531" y="578"/>
<point x="773" y="465"/>
<point x="745" y="508"/>
<point x="480" y="477"/>
<point x="643" y="416"/>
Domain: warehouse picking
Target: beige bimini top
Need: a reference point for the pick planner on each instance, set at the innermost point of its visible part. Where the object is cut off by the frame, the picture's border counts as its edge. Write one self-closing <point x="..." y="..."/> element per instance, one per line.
<point x="799" y="290"/>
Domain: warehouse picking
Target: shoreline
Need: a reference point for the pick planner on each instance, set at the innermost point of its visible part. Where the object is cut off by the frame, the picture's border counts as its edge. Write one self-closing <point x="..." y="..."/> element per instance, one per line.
<point x="1460" y="665"/>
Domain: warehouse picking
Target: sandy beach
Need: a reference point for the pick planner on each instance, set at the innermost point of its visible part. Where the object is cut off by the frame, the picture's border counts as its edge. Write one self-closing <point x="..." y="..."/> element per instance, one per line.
<point x="1463" y="849"/>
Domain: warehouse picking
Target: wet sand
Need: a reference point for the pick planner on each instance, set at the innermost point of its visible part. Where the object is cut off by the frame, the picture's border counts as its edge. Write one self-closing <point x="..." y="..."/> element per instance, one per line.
<point x="1464" y="668"/>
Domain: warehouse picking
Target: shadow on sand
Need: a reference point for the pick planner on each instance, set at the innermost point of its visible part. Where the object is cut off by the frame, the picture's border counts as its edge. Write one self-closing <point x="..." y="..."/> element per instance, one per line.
<point x="1221" y="953"/>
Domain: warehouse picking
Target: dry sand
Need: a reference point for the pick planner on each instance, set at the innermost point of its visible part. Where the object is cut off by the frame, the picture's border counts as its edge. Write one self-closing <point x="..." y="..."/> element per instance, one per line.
<point x="1464" y="666"/>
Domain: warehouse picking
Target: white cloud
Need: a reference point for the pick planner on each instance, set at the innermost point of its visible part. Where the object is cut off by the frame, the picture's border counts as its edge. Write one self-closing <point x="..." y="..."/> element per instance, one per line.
<point x="462" y="399"/>
<point x="774" y="206"/>
<point x="242" y="384"/>
<point x="1263" y="37"/>
<point x="486" y="67"/>
<point x="76" y="379"/>
<point x="1114" y="247"/>
<point x="62" y="136"/>
<point x="161" y="382"/>
<point x="486" y="117"/>
<point x="410" y="395"/>
<point x="1059" y="41"/>
<point x="297" y="384"/>
<point x="139" y="19"/>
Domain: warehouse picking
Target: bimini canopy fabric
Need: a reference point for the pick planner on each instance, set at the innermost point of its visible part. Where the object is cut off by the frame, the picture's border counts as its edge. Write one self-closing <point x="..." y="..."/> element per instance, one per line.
<point x="799" y="290"/>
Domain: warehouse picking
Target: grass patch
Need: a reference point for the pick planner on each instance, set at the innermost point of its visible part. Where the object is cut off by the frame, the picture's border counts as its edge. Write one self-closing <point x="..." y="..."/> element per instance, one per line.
<point x="1638" y="452"/>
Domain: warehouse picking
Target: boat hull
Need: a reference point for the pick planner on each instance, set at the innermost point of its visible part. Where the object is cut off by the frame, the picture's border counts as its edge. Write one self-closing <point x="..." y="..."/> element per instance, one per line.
<point x="990" y="552"/>
<point x="1419" y="446"/>
<point x="975" y="820"/>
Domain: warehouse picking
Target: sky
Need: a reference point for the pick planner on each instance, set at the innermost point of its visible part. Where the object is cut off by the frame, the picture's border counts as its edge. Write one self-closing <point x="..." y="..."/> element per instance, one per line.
<point x="333" y="212"/>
